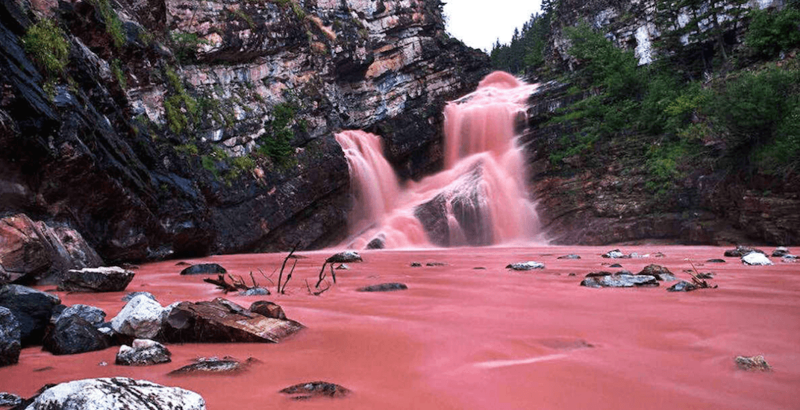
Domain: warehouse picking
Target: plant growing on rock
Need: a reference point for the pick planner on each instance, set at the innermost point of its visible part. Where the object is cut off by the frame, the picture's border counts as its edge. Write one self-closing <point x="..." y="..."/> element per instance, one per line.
<point x="111" y="20"/>
<point x="47" y="45"/>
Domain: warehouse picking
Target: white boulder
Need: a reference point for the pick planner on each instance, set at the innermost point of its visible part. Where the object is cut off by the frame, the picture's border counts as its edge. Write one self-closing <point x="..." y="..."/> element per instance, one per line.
<point x="756" y="259"/>
<point x="141" y="318"/>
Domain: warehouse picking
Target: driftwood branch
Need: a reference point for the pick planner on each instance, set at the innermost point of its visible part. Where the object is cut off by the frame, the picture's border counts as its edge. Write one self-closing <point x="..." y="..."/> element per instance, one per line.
<point x="700" y="283"/>
<point x="310" y="292"/>
<point x="282" y="291"/>
<point x="283" y="266"/>
<point x="321" y="275"/>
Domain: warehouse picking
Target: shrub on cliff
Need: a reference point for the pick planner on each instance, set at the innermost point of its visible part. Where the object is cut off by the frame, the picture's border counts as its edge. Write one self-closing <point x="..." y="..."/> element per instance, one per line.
<point x="771" y="32"/>
<point x="47" y="45"/>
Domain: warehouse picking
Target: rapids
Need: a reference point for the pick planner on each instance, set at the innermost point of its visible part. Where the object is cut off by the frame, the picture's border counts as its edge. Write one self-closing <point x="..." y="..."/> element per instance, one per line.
<point x="479" y="198"/>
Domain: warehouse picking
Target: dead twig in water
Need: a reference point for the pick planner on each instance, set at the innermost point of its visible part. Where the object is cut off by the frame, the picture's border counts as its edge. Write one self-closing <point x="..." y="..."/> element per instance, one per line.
<point x="280" y="275"/>
<point x="701" y="283"/>
<point x="282" y="291"/>
<point x="319" y="292"/>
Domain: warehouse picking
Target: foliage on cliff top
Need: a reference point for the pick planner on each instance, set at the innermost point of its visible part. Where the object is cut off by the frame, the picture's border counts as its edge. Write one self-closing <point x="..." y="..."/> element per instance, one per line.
<point x="46" y="44"/>
<point x="111" y="20"/>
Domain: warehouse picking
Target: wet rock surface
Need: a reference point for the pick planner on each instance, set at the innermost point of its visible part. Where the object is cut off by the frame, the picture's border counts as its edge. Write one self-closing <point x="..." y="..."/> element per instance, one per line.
<point x="383" y="287"/>
<point x="106" y="279"/>
<point x="143" y="352"/>
<point x="753" y="363"/>
<point x="222" y="321"/>
<point x="214" y="365"/>
<point x="204" y="269"/>
<point x="622" y="279"/>
<point x="780" y="252"/>
<point x="659" y="272"/>
<point x="91" y="314"/>
<point x="31" y="308"/>
<point x="525" y="266"/>
<point x="73" y="335"/>
<point x="345" y="257"/>
<point x="114" y="394"/>
<point x="10" y="344"/>
<point x="311" y="390"/>
<point x="716" y="261"/>
<point x="741" y="251"/>
<point x="268" y="309"/>
<point x="9" y="400"/>
<point x="570" y="256"/>
<point x="682" y="286"/>
<point x="255" y="292"/>
<point x="615" y="254"/>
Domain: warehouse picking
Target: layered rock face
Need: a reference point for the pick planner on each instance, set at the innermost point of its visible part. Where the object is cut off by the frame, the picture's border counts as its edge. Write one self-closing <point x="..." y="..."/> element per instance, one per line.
<point x="209" y="127"/>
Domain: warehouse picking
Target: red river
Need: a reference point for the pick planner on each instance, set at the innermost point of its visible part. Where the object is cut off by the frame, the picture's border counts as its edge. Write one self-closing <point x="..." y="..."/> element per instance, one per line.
<point x="461" y="338"/>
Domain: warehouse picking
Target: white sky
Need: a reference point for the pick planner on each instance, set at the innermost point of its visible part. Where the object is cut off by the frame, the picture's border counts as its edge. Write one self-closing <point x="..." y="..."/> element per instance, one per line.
<point x="478" y="23"/>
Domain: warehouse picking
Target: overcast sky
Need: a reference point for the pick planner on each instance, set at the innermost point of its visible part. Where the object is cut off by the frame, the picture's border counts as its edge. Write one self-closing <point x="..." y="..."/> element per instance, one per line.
<point x="478" y="23"/>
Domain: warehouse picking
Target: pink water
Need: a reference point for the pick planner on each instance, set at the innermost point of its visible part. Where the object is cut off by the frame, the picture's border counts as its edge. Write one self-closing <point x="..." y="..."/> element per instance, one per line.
<point x="482" y="184"/>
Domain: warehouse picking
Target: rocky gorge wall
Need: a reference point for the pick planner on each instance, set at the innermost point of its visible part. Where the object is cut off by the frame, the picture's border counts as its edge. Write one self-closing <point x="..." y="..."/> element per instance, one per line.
<point x="182" y="128"/>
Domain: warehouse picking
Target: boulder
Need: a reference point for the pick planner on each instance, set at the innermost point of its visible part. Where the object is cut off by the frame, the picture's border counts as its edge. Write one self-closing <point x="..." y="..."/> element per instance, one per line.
<point x="34" y="252"/>
<point x="73" y="335"/>
<point x="661" y="273"/>
<point x="9" y="400"/>
<point x="379" y="242"/>
<point x="91" y="314"/>
<point x="227" y="365"/>
<point x="255" y="292"/>
<point x="268" y="309"/>
<point x="780" y="252"/>
<point x="222" y="321"/>
<point x="523" y="266"/>
<point x="622" y="279"/>
<point x="682" y="286"/>
<point x="143" y="352"/>
<point x="756" y="259"/>
<point x="204" y="269"/>
<point x="131" y="295"/>
<point x="32" y="309"/>
<point x="106" y="279"/>
<point x="310" y="390"/>
<point x="615" y="254"/>
<point x="345" y="257"/>
<point x="754" y="363"/>
<point x="10" y="344"/>
<point x="383" y="287"/>
<point x="741" y="251"/>
<point x="789" y="259"/>
<point x="141" y="318"/>
<point x="114" y="394"/>
<point x="570" y="256"/>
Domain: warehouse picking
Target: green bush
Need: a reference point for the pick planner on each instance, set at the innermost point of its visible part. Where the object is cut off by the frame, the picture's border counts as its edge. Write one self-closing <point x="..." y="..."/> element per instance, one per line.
<point x="46" y="44"/>
<point x="277" y="143"/>
<point x="184" y="45"/>
<point x="181" y="109"/>
<point x="116" y="68"/>
<point x="113" y="23"/>
<point x="771" y="32"/>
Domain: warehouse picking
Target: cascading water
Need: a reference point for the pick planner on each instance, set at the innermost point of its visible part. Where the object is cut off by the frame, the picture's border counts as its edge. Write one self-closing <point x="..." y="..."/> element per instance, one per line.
<point x="478" y="199"/>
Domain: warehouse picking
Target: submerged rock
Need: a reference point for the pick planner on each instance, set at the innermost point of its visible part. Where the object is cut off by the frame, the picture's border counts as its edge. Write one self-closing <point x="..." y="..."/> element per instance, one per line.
<point x="115" y="394"/>
<point x="616" y="265"/>
<point x="31" y="308"/>
<point x="789" y="259"/>
<point x="753" y="363"/>
<point x="131" y="295"/>
<point x="716" y="261"/>
<point x="570" y="256"/>
<point x="756" y="259"/>
<point x="741" y="251"/>
<point x="222" y="321"/>
<point x="383" y="287"/>
<point x="73" y="335"/>
<point x="343" y="267"/>
<point x="268" y="309"/>
<point x="615" y="254"/>
<point x="524" y="266"/>
<point x="416" y="265"/>
<point x="143" y="352"/>
<point x="434" y="264"/>
<point x="9" y="400"/>
<point x="622" y="279"/>
<point x="226" y="365"/>
<point x="682" y="286"/>
<point x="106" y="279"/>
<point x="141" y="318"/>
<point x="661" y="273"/>
<point x="204" y="269"/>
<point x="706" y="275"/>
<point x="310" y="390"/>
<point x="345" y="257"/>
<point x="10" y="344"/>
<point x="780" y="251"/>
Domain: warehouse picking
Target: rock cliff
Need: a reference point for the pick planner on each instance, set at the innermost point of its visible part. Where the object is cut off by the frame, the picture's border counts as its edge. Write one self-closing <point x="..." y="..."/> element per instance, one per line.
<point x="182" y="127"/>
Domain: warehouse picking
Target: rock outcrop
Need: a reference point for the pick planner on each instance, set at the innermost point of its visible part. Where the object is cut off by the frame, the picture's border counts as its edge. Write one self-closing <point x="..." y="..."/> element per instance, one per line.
<point x="10" y="344"/>
<point x="143" y="352"/>
<point x="31" y="308"/>
<point x="105" y="279"/>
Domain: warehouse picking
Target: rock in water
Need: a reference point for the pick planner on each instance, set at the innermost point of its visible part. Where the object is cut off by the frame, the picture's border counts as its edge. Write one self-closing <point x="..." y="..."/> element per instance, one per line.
<point x="32" y="309"/>
<point x="416" y="265"/>
<point x="91" y="314"/>
<point x="305" y="391"/>
<point x="343" y="267"/>
<point x="10" y="344"/>
<point x="379" y="242"/>
<point x="789" y="259"/>
<point x="570" y="256"/>
<point x="523" y="266"/>
<point x="227" y="365"/>
<point x="753" y="363"/>
<point x="682" y="286"/>
<point x="9" y="400"/>
<point x="661" y="273"/>
<point x="204" y="269"/>
<point x="780" y="252"/>
<point x="616" y="265"/>
<point x="115" y="394"/>
<point x="255" y="292"/>
<point x="716" y="261"/>
<point x="222" y="321"/>
<point x="756" y="259"/>
<point x="108" y="279"/>
<point x="268" y="309"/>
<point x="623" y="279"/>
<point x="73" y="335"/>
<point x="345" y="257"/>
<point x="143" y="352"/>
<point x="741" y="251"/>
<point x="140" y="318"/>
<point x="383" y="287"/>
<point x="614" y="254"/>
<point x="129" y="296"/>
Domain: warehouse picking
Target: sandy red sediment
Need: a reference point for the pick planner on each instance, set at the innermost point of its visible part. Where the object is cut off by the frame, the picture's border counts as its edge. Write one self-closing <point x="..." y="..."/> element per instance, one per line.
<point x="463" y="338"/>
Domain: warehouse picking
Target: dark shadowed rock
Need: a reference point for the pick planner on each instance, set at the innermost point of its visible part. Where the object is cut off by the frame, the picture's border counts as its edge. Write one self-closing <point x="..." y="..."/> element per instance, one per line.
<point x="741" y="251"/>
<point x="73" y="335"/>
<point x="623" y="279"/>
<point x="716" y="261"/>
<point x="343" y="267"/>
<point x="383" y="287"/>
<point x="789" y="259"/>
<point x="268" y="309"/>
<point x="345" y="257"/>
<point x="143" y="352"/>
<point x="9" y="400"/>
<point x="213" y="365"/>
<point x="204" y="269"/>
<point x="222" y="321"/>
<point x="570" y="256"/>
<point x="434" y="264"/>
<point x="682" y="286"/>
<point x="32" y="310"/>
<point x="660" y="272"/>
<point x="182" y="263"/>
<point x="616" y="265"/>
<point x="379" y="242"/>
<point x="10" y="344"/>
<point x="132" y="295"/>
<point x="310" y="390"/>
<point x="705" y="275"/>
<point x="107" y="279"/>
<point x="754" y="363"/>
<point x="91" y="314"/>
<point x="780" y="252"/>
<point x="416" y="265"/>
<point x="114" y="394"/>
<point x="524" y="266"/>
